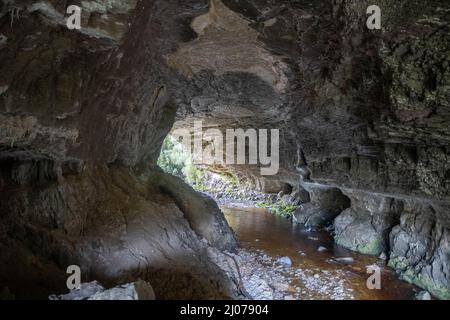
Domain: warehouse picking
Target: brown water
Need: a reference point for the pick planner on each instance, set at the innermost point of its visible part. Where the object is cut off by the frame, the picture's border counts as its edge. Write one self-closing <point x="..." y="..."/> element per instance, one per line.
<point x="259" y="230"/>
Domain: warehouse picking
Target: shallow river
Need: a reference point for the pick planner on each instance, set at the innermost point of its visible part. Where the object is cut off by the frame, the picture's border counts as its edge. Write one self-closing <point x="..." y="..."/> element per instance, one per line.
<point x="277" y="237"/>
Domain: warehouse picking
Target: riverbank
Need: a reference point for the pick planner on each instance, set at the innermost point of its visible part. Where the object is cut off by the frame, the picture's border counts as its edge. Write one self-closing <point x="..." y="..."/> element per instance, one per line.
<point x="282" y="261"/>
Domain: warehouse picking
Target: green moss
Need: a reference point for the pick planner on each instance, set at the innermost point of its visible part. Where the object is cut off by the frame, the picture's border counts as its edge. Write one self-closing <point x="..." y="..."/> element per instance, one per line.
<point x="400" y="264"/>
<point x="231" y="179"/>
<point x="374" y="247"/>
<point x="280" y="207"/>
<point x="369" y="244"/>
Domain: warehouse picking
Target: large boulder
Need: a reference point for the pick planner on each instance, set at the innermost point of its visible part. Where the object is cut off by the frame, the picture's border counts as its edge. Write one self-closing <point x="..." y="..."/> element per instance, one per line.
<point x="420" y="249"/>
<point x="365" y="227"/>
<point x="202" y="212"/>
<point x="326" y="204"/>
<point x="313" y="216"/>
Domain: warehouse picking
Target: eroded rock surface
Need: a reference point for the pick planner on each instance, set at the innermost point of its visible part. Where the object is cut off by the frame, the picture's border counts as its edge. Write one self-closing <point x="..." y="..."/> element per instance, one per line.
<point x="420" y="249"/>
<point x="139" y="290"/>
<point x="115" y="228"/>
<point x="325" y="204"/>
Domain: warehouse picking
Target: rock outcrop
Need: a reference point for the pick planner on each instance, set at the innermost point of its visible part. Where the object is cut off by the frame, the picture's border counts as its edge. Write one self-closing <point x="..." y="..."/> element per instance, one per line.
<point x="113" y="226"/>
<point x="139" y="290"/>
<point x="324" y="206"/>
<point x="420" y="247"/>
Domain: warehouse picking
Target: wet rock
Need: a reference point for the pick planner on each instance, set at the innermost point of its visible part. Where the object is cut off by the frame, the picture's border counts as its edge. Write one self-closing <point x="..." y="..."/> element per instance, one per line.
<point x="259" y="288"/>
<point x="286" y="261"/>
<point x="322" y="249"/>
<point x="263" y="278"/>
<point x="345" y="260"/>
<point x="291" y="199"/>
<point x="280" y="286"/>
<point x="325" y="205"/>
<point x="85" y="291"/>
<point x="383" y="256"/>
<point x="365" y="227"/>
<point x="139" y="290"/>
<point x="423" y="295"/>
<point x="310" y="215"/>
<point x="302" y="195"/>
<point x="410" y="249"/>
<point x="202" y="212"/>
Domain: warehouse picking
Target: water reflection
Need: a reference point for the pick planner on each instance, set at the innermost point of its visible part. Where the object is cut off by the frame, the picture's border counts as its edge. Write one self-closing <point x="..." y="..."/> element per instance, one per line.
<point x="259" y="230"/>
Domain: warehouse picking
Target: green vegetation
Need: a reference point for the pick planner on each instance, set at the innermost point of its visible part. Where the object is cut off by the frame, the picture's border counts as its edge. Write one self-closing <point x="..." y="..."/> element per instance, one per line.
<point x="230" y="179"/>
<point x="176" y="161"/>
<point x="173" y="159"/>
<point x="195" y="176"/>
<point x="279" y="207"/>
<point x="400" y="264"/>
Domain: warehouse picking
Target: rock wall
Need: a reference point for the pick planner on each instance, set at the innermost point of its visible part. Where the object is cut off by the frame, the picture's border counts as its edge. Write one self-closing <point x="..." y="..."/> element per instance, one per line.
<point x="83" y="114"/>
<point x="420" y="247"/>
<point x="362" y="111"/>
<point x="395" y="168"/>
<point x="115" y="227"/>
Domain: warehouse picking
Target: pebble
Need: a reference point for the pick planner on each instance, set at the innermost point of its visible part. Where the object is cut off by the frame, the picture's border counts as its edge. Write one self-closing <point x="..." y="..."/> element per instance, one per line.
<point x="383" y="256"/>
<point x="345" y="260"/>
<point x="265" y="278"/>
<point x="280" y="286"/>
<point x="286" y="261"/>
<point x="322" y="249"/>
<point x="423" y="295"/>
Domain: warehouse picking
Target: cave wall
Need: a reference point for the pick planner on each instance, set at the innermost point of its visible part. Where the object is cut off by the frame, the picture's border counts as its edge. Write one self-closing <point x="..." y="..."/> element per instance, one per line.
<point x="114" y="226"/>
<point x="393" y="161"/>
<point x="365" y="112"/>
<point x="83" y="115"/>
